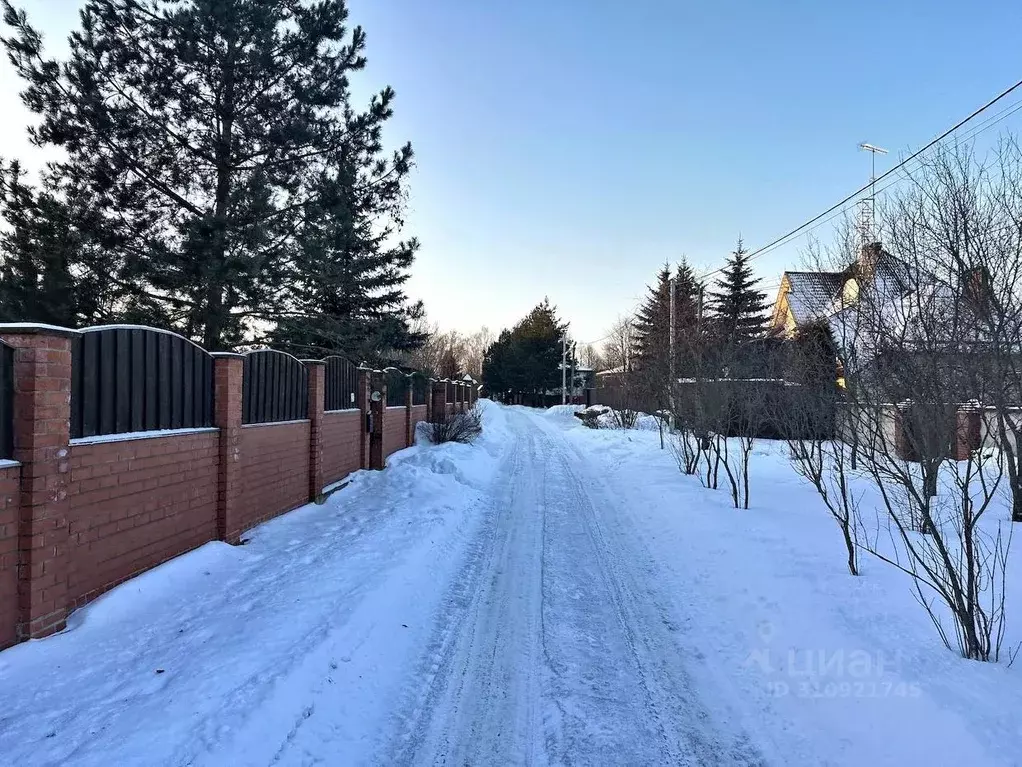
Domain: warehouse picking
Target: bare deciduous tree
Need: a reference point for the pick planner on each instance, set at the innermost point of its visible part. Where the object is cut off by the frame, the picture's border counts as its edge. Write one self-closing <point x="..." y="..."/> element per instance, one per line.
<point x="808" y="418"/>
<point x="927" y="347"/>
<point x="616" y="350"/>
<point x="473" y="349"/>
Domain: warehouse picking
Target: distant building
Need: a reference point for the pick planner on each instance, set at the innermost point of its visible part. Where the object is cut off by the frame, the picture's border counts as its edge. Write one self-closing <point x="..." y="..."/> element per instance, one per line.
<point x="807" y="296"/>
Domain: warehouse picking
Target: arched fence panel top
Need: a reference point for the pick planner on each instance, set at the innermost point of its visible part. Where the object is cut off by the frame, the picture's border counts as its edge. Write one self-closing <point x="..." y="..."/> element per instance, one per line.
<point x="341" y="383"/>
<point x="132" y="378"/>
<point x="397" y="387"/>
<point x="420" y="388"/>
<point x="6" y="401"/>
<point x="275" y="388"/>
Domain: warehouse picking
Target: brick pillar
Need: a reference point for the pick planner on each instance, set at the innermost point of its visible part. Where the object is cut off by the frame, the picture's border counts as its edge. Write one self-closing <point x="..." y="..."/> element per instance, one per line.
<point x="437" y="400"/>
<point x="968" y="432"/>
<point x="228" y="376"/>
<point x="409" y="399"/>
<point x="42" y="434"/>
<point x="378" y="409"/>
<point x="317" y="404"/>
<point x="362" y="403"/>
<point x="902" y="448"/>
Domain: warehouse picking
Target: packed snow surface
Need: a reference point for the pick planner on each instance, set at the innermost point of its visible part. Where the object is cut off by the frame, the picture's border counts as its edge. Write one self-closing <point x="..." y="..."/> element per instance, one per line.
<point x="550" y="595"/>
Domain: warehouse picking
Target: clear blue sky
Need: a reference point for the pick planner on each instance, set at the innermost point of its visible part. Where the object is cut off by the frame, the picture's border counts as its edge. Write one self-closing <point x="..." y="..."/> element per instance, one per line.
<point x="567" y="148"/>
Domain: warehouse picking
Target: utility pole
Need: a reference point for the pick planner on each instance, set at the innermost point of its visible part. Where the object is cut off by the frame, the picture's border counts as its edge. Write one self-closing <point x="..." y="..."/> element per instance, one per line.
<point x="572" y="379"/>
<point x="564" y="367"/>
<point x="670" y="362"/>
<point x="628" y="345"/>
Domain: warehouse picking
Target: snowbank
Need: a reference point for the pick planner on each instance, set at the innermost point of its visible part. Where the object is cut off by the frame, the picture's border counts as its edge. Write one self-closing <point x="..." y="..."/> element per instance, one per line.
<point x="563" y="411"/>
<point x="607" y="418"/>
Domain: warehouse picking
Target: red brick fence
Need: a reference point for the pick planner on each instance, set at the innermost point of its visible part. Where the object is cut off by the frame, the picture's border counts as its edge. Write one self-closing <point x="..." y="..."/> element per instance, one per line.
<point x="122" y="447"/>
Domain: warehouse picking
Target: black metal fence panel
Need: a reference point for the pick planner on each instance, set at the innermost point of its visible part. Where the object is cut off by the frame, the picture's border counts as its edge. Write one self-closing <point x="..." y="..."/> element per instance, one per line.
<point x="450" y="391"/>
<point x="397" y="387"/>
<point x="6" y="401"/>
<point x="275" y="388"/>
<point x="341" y="384"/>
<point x="420" y="388"/>
<point x="133" y="379"/>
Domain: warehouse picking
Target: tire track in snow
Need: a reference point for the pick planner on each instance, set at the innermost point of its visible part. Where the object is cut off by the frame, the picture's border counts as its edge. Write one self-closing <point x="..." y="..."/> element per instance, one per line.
<point x="685" y="730"/>
<point x="553" y="647"/>
<point x="477" y="700"/>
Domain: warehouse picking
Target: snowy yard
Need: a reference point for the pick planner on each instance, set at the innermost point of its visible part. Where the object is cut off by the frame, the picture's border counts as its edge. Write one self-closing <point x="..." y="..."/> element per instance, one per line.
<point x="549" y="595"/>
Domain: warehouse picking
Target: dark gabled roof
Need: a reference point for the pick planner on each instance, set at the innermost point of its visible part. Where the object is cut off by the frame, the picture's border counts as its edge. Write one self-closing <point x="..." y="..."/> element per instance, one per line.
<point x="897" y="273"/>
<point x="811" y="293"/>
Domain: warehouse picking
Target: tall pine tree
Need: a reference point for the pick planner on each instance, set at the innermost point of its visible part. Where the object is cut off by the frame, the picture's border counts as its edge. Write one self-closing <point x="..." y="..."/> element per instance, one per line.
<point x="738" y="310"/>
<point x="47" y="272"/>
<point x="214" y="138"/>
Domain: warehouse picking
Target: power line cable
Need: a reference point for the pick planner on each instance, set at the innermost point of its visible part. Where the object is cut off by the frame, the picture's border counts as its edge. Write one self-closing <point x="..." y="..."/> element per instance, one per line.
<point x="760" y="251"/>
<point x="973" y="132"/>
<point x="841" y="207"/>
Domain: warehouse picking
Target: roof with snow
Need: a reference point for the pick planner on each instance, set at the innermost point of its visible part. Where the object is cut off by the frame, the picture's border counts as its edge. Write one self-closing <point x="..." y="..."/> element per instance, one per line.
<point x="811" y="293"/>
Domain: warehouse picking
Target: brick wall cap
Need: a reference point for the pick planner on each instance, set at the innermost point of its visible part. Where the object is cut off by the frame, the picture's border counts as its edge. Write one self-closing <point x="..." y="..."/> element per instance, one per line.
<point x="226" y="355"/>
<point x="307" y="363"/>
<point x="37" y="328"/>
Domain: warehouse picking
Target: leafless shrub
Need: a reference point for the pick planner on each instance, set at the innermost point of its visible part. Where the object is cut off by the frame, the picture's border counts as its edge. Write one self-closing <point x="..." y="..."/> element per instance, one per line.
<point x="808" y="418"/>
<point x="625" y="418"/>
<point x="685" y="448"/>
<point x="456" y="427"/>
<point x="826" y="464"/>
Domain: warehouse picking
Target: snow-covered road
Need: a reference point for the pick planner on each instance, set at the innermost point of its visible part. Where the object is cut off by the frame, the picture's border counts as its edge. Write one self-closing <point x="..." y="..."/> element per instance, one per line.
<point x="470" y="605"/>
<point x="555" y="646"/>
<point x="551" y="595"/>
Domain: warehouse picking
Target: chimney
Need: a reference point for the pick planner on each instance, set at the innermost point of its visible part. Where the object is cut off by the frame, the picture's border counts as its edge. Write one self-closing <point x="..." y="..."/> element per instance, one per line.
<point x="868" y="258"/>
<point x="976" y="287"/>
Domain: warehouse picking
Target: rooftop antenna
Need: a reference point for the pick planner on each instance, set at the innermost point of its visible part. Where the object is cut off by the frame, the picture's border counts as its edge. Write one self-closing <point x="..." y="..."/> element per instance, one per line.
<point x="868" y="205"/>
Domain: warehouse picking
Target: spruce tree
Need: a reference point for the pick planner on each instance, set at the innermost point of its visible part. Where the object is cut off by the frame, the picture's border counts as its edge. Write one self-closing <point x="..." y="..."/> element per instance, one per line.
<point x="652" y="326"/>
<point x="738" y="309"/>
<point x="214" y="138"/>
<point x="347" y="296"/>
<point x="526" y="359"/>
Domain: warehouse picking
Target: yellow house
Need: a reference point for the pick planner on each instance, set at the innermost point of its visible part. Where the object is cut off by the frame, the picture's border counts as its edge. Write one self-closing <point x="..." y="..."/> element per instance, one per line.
<point x="807" y="296"/>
